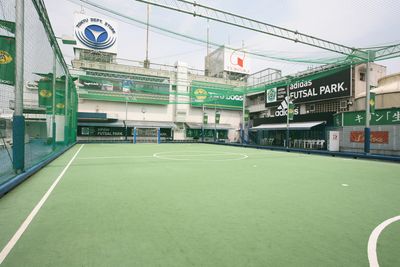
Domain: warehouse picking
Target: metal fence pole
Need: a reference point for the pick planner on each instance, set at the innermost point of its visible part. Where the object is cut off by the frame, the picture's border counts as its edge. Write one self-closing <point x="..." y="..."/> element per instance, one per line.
<point x="53" y="117"/>
<point x="66" y="116"/>
<point x="18" y="117"/>
<point x="287" y="117"/>
<point x="367" y="130"/>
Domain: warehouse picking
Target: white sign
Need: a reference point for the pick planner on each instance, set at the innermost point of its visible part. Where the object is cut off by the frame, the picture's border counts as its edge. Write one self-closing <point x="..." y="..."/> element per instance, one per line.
<point x="227" y="59"/>
<point x="333" y="144"/>
<point x="96" y="33"/>
<point x="236" y="60"/>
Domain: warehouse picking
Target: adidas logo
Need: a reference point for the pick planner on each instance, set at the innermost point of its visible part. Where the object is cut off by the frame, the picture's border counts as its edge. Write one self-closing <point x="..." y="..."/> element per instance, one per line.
<point x="284" y="104"/>
<point x="282" y="109"/>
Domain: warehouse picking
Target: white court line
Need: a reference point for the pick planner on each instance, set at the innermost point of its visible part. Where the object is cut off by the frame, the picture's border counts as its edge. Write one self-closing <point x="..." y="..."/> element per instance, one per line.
<point x="116" y="157"/>
<point x="170" y="156"/>
<point x="373" y="240"/>
<point x="6" y="250"/>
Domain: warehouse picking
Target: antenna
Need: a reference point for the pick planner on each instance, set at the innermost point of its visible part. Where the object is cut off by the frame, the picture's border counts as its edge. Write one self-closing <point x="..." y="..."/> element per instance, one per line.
<point x="146" y="62"/>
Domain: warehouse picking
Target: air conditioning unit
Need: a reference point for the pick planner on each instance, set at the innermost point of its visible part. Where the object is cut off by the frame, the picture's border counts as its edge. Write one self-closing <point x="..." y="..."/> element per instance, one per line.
<point x="343" y="104"/>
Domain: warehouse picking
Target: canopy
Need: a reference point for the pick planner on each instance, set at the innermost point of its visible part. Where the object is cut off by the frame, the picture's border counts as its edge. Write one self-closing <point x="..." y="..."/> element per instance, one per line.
<point x="292" y="126"/>
<point x="196" y="125"/>
<point x="150" y="124"/>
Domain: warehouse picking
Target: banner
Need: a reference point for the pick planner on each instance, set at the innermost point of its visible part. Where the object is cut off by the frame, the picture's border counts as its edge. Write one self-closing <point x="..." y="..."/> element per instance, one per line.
<point x="205" y="118"/>
<point x="7" y="60"/>
<point x="45" y="91"/>
<point x="388" y="116"/>
<point x="126" y="88"/>
<point x="333" y="86"/>
<point x="217" y="117"/>
<point x="222" y="98"/>
<point x="7" y="25"/>
<point x="372" y="102"/>
<point x="246" y="115"/>
<point x="291" y="111"/>
<point x="377" y="137"/>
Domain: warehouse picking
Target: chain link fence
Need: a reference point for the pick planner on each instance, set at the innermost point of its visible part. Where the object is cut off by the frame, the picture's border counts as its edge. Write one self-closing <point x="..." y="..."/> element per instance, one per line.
<point x="49" y="101"/>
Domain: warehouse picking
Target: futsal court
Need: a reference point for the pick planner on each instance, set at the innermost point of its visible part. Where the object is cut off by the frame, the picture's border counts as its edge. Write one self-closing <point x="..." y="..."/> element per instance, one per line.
<point x="202" y="205"/>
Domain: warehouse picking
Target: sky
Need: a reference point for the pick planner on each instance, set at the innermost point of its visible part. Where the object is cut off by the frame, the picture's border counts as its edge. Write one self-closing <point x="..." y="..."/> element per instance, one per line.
<point x="354" y="23"/>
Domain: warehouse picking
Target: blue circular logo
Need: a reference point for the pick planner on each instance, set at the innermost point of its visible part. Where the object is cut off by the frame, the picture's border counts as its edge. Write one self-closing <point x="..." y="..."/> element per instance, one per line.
<point x="96" y="37"/>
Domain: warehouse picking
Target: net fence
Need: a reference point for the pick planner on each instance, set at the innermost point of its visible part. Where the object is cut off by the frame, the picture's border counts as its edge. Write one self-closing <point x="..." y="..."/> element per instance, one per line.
<point x="49" y="94"/>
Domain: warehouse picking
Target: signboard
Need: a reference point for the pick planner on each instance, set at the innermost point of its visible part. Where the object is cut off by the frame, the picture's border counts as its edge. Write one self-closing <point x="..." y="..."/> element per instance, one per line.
<point x="96" y="33"/>
<point x="236" y="60"/>
<point x="333" y="86"/>
<point x="380" y="117"/>
<point x="107" y="131"/>
<point x="228" y="59"/>
<point x="333" y="144"/>
<point x="215" y="98"/>
<point x="377" y="137"/>
<point x="100" y="131"/>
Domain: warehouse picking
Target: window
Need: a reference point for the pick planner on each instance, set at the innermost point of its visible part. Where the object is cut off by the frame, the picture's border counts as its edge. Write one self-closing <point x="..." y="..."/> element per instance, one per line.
<point x="362" y="76"/>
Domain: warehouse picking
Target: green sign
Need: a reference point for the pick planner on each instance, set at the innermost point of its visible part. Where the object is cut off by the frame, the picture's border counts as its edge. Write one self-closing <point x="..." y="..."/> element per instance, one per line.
<point x="357" y="118"/>
<point x="7" y="60"/>
<point x="223" y="98"/>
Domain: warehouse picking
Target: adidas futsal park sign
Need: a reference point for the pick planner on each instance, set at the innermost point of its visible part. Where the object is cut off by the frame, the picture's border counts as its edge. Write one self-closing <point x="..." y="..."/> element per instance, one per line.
<point x="333" y="86"/>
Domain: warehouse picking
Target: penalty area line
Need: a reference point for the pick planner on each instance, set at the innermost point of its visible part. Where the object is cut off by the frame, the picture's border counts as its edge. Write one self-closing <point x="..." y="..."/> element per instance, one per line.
<point x="373" y="240"/>
<point x="6" y="250"/>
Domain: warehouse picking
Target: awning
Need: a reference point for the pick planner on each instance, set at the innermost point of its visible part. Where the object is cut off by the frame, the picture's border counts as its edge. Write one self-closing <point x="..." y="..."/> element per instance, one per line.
<point x="292" y="126"/>
<point x="196" y="125"/>
<point x="150" y="124"/>
<point x="102" y="124"/>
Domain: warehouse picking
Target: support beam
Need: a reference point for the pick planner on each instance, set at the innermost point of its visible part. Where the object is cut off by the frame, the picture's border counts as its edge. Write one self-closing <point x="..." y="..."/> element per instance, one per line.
<point x="195" y="9"/>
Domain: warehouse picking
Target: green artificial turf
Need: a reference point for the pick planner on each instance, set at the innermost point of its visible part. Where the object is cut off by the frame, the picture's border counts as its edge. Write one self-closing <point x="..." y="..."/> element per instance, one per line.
<point x="203" y="205"/>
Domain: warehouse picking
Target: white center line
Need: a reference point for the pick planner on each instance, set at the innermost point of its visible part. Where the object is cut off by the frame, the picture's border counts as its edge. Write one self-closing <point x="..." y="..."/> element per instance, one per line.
<point x="6" y="250"/>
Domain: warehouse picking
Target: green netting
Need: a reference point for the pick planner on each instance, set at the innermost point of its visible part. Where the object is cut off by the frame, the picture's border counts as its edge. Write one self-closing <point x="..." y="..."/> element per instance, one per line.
<point x="50" y="97"/>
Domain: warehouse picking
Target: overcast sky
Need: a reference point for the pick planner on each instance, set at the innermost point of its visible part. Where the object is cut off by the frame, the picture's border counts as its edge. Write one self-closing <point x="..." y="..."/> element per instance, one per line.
<point x="354" y="23"/>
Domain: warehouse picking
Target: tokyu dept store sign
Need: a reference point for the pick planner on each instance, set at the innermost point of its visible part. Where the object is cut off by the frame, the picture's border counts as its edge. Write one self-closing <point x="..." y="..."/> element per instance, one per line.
<point x="333" y="86"/>
<point x="96" y="33"/>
